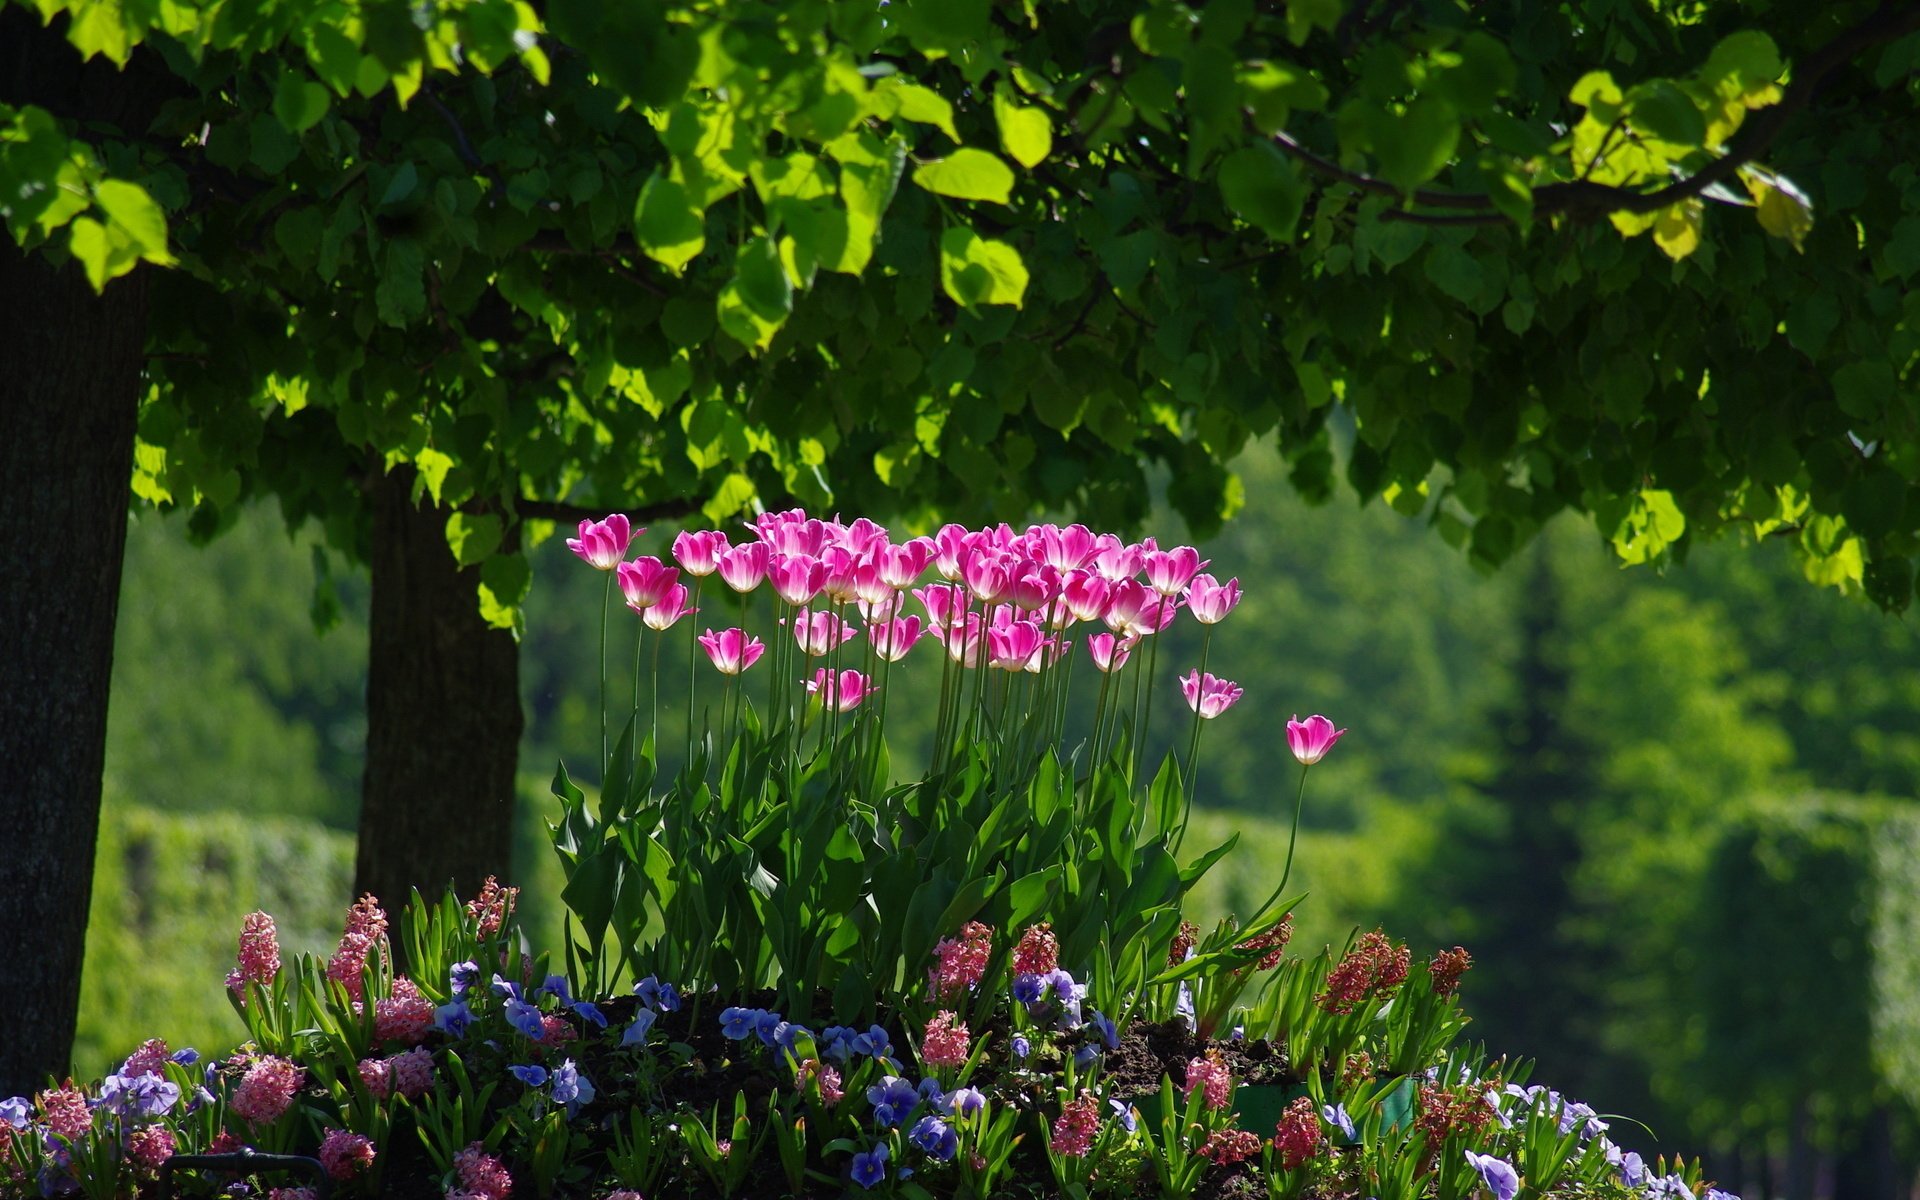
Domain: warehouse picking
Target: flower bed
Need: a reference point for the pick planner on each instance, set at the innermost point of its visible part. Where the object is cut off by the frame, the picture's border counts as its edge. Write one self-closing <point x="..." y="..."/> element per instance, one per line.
<point x="787" y="975"/>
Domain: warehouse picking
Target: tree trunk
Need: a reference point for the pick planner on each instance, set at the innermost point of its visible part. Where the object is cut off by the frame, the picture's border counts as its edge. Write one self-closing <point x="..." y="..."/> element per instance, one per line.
<point x="69" y="394"/>
<point x="70" y="386"/>
<point x="443" y="714"/>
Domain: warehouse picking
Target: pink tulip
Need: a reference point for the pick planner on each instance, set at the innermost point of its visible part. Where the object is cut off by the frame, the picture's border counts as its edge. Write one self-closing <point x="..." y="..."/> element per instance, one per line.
<point x="1085" y="595"/>
<point x="892" y="639"/>
<point x="667" y="613"/>
<point x="840" y="693"/>
<point x="870" y="588"/>
<point x="1312" y="738"/>
<point x="965" y="640"/>
<point x="1046" y="654"/>
<point x="946" y="604"/>
<point x="1208" y="695"/>
<point x="840" y="581"/>
<point x="1127" y="601"/>
<point x="950" y="545"/>
<point x="604" y="543"/>
<point x="1155" y="615"/>
<point x="645" y="581"/>
<point x="1066" y="549"/>
<point x="1010" y="646"/>
<point x="1110" y="652"/>
<point x="1116" y="562"/>
<point x="698" y="551"/>
<point x="743" y="567"/>
<point x="988" y="575"/>
<point x="902" y="565"/>
<point x="796" y="578"/>
<point x="1034" y="586"/>
<point x="1170" y="571"/>
<point x="863" y="537"/>
<point x="1209" y="601"/>
<point x="731" y="650"/>
<point x="885" y="609"/>
<point x="790" y="532"/>
<point x="820" y="632"/>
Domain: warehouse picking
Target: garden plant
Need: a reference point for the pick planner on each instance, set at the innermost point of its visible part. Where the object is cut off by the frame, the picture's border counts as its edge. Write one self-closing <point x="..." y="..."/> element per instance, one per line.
<point x="789" y="973"/>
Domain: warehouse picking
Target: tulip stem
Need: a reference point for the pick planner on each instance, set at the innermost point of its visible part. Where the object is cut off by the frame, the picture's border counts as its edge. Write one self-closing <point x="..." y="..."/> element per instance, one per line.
<point x="693" y="655"/>
<point x="1193" y="742"/>
<point x="653" y="715"/>
<point x="606" y="598"/>
<point x="1286" y="873"/>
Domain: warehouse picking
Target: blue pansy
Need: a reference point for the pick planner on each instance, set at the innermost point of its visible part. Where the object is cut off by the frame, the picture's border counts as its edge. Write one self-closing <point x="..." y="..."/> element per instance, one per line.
<point x="658" y="995"/>
<point x="636" y="1033"/>
<point x="570" y="1087"/>
<point x="16" y="1111"/>
<point x="1084" y="1057"/>
<point x="185" y="1057"/>
<point x="506" y="987"/>
<point x="1336" y="1116"/>
<point x="870" y="1167"/>
<point x="532" y="1074"/>
<point x="892" y="1099"/>
<point x="1497" y="1174"/>
<point x="737" y="1023"/>
<point x="1028" y="989"/>
<point x="874" y="1043"/>
<point x="590" y="1011"/>
<point x="1123" y="1115"/>
<point x="965" y="1101"/>
<point x="1021" y="1046"/>
<point x="526" y="1018"/>
<point x="935" y="1137"/>
<point x="453" y="1018"/>
<point x="1103" y="1024"/>
<point x="1669" y="1187"/>
<point x="766" y="1026"/>
<point x="836" y="1042"/>
<point x="462" y="975"/>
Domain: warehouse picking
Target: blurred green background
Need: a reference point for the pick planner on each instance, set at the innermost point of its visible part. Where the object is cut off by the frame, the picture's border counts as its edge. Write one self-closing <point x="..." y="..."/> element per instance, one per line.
<point x="1672" y="817"/>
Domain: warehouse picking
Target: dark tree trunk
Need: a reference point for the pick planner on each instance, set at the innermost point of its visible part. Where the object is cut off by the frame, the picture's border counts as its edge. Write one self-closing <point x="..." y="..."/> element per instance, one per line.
<point x="443" y="714"/>
<point x="69" y="393"/>
<point x="70" y="385"/>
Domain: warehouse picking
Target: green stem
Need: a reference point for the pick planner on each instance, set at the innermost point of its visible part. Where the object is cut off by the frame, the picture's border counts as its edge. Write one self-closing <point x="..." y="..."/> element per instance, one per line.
<point x="693" y="656"/>
<point x="1287" y="872"/>
<point x="1193" y="742"/>
<point x="606" y="598"/>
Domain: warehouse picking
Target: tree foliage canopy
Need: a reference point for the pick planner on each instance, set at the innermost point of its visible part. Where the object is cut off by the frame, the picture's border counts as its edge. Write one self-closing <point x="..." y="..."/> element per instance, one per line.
<point x="989" y="255"/>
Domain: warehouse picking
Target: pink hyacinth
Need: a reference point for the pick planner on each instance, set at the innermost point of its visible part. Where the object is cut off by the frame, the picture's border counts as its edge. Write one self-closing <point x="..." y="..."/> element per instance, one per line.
<point x="267" y="1090"/>
<point x="405" y="1016"/>
<point x="1079" y="1121"/>
<point x="603" y="543"/>
<point x="1210" y="601"/>
<point x="901" y="566"/>
<point x="645" y="582"/>
<point x="1312" y="738"/>
<point x="491" y="908"/>
<point x="1224" y="1147"/>
<point x="150" y="1146"/>
<point x="795" y="578"/>
<point x="375" y="1078"/>
<point x="63" y="1110"/>
<point x="946" y="1041"/>
<point x="1170" y="571"/>
<point x="555" y="1031"/>
<point x="673" y="606"/>
<point x="731" y="650"/>
<point x="259" y="959"/>
<point x="366" y="930"/>
<point x="744" y="567"/>
<point x="843" y="692"/>
<point x="411" y="1073"/>
<point x="481" y="1174"/>
<point x="1109" y="651"/>
<point x="698" y="551"/>
<point x="961" y="962"/>
<point x="149" y="1059"/>
<point x="1038" y="951"/>
<point x="345" y="1155"/>
<point x="892" y="639"/>
<point x="292" y="1193"/>
<point x="820" y="633"/>
<point x="1207" y="695"/>
<point x="1297" y="1136"/>
<point x="1211" y="1076"/>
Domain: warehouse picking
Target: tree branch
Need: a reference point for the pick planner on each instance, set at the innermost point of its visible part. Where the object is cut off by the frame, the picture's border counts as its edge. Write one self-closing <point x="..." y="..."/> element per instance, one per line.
<point x="1583" y="198"/>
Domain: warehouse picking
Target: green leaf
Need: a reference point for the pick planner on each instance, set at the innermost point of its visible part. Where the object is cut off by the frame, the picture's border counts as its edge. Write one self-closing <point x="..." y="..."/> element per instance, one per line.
<point x="1863" y="389"/>
<point x="505" y="580"/>
<point x="135" y="213"/>
<point x="401" y="294"/>
<point x="1413" y="146"/>
<point x="1875" y="502"/>
<point x="1749" y="58"/>
<point x="299" y="103"/>
<point x="967" y="174"/>
<point x="895" y="97"/>
<point x="1025" y="133"/>
<point x="1262" y="186"/>
<point x="666" y="223"/>
<point x="977" y="270"/>
<point x="433" y="466"/>
<point x="87" y="241"/>
<point x="1658" y="109"/>
<point x="472" y="536"/>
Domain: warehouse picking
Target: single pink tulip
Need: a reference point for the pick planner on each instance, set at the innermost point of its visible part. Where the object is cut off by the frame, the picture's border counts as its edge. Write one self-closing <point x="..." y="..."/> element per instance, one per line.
<point x="840" y="693"/>
<point x="988" y="575"/>
<point x="1046" y="654"/>
<point x="1066" y="549"/>
<point x="950" y="545"/>
<point x="863" y="537"/>
<point x="885" y="609"/>
<point x="1010" y="646"/>
<point x="1312" y="738"/>
<point x="1035" y="585"/>
<point x="790" y="532"/>
<point x="1128" y="602"/>
<point x="743" y="567"/>
<point x="891" y="639"/>
<point x="645" y="581"/>
<point x="1117" y="562"/>
<point x="1084" y="594"/>
<point x="667" y="613"/>
<point x="820" y="632"/>
<point x="731" y="650"/>
<point x="965" y="640"/>
<point x="901" y="566"/>
<point x="796" y="578"/>
<point x="1170" y="571"/>
<point x="698" y="551"/>
<point x="842" y="570"/>
<point x="1210" y="601"/>
<point x="946" y="604"/>
<point x="1109" y="652"/>
<point x="1208" y="695"/>
<point x="604" y="543"/>
<point x="1156" y="615"/>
